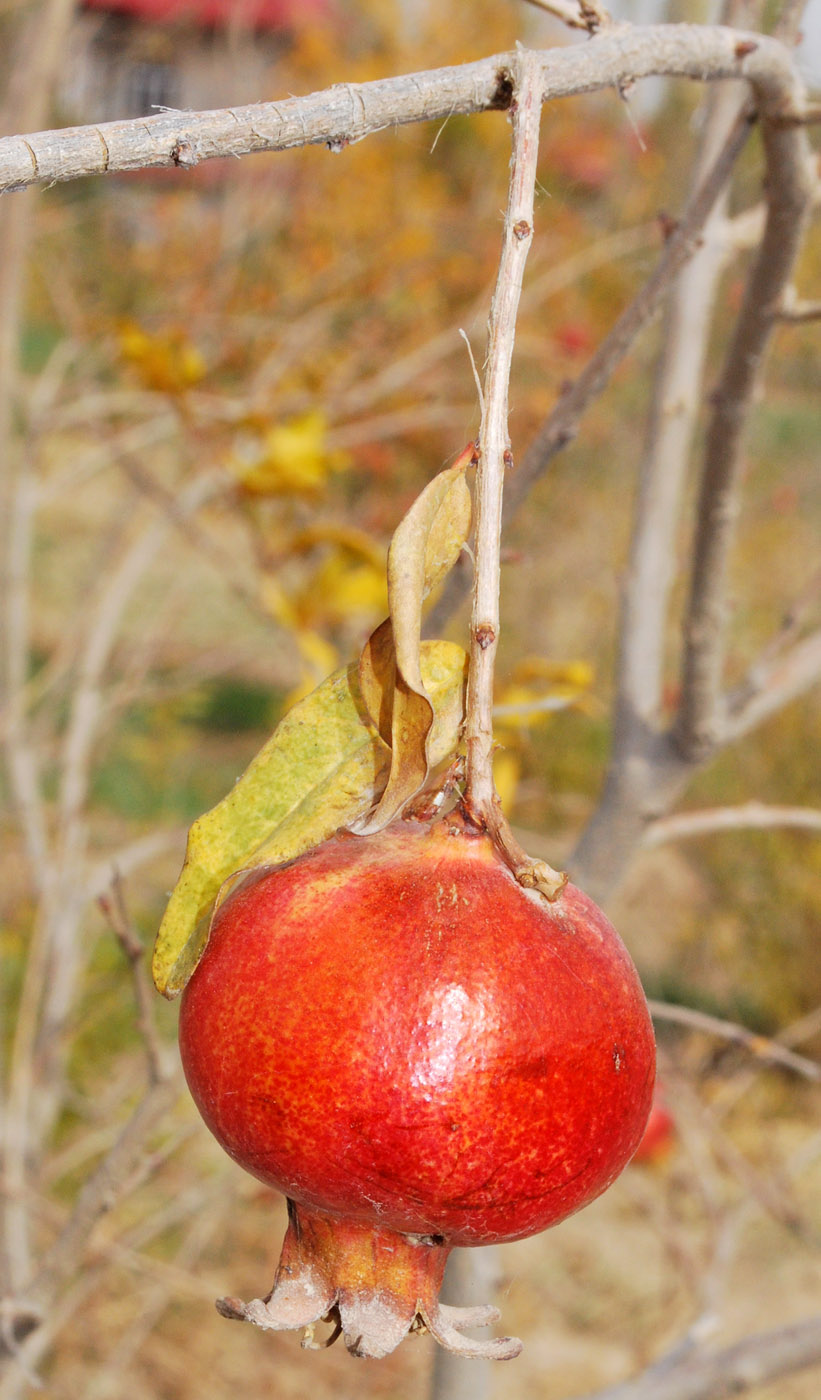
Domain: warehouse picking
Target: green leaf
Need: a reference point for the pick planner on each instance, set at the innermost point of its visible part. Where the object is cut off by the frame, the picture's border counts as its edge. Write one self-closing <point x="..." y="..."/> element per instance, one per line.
<point x="321" y="769"/>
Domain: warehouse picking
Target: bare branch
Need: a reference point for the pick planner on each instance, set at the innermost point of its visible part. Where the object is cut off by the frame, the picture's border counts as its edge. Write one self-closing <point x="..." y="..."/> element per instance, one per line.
<point x="101" y="1192"/>
<point x="790" y="19"/>
<point x="676" y="401"/>
<point x="762" y="1046"/>
<point x="114" y="908"/>
<point x="132" y="856"/>
<point x="472" y="1276"/>
<point x="584" y="14"/>
<point x="651" y="768"/>
<point x="348" y="112"/>
<point x="20" y="754"/>
<point x="758" y="815"/>
<point x="562" y="424"/>
<point x="494" y="441"/>
<point x="795" y="311"/>
<point x="773" y="682"/>
<point x="699" y="1375"/>
<point x="701" y="717"/>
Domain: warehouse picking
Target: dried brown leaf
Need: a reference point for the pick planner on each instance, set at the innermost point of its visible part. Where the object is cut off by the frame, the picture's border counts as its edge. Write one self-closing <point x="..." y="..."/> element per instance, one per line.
<point x="426" y="545"/>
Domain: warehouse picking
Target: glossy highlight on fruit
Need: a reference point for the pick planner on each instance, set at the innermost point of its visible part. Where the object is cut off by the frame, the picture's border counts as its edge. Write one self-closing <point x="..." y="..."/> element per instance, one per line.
<point x="420" y="1054"/>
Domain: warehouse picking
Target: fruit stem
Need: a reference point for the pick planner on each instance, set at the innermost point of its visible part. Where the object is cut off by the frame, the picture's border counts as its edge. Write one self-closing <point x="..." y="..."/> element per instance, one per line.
<point x="494" y="443"/>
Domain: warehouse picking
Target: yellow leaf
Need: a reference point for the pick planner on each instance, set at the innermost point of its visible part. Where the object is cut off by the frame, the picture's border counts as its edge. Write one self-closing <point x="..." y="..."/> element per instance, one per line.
<point x="320" y="770"/>
<point x="341" y="590"/>
<point x="537" y="688"/>
<point x="292" y="459"/>
<point x="276" y="602"/>
<point x="318" y="656"/>
<point x="578" y="674"/>
<point x="165" y="361"/>
<point x="317" y="652"/>
<point x="507" y="770"/>
<point x="348" y="539"/>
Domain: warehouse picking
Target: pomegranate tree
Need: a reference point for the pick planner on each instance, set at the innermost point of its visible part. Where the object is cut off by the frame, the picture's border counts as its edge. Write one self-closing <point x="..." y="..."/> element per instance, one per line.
<point x="419" y="1034"/>
<point x="419" y="1053"/>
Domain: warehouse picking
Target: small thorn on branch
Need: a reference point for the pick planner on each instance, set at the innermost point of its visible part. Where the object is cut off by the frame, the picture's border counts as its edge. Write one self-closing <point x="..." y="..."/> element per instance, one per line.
<point x="113" y="907"/>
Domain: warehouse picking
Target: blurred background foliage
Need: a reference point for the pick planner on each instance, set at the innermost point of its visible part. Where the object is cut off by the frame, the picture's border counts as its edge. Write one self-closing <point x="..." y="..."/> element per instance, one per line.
<point x="285" y="329"/>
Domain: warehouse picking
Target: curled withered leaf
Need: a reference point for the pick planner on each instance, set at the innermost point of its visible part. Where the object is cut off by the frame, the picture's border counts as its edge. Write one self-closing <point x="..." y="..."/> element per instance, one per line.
<point x="377" y="678"/>
<point x="424" y="548"/>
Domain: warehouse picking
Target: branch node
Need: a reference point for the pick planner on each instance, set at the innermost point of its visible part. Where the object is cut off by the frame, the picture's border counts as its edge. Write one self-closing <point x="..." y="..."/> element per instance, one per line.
<point x="668" y="225"/>
<point x="183" y="155"/>
<point x="502" y="99"/>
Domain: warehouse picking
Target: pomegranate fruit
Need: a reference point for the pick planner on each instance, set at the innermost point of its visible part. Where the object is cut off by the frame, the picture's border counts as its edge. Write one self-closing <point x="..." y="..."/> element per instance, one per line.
<point x="420" y="1054"/>
<point x="659" y="1136"/>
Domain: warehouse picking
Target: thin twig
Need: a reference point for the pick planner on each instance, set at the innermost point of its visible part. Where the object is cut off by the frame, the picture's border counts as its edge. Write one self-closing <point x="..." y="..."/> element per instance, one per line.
<point x="112" y="1376"/>
<point x="21" y="757"/>
<point x="562" y="425"/>
<point x="101" y="1192"/>
<point x="581" y="15"/>
<point x="761" y="1046"/>
<point x="771" y="684"/>
<point x="494" y="456"/>
<point x="132" y="857"/>
<point x="55" y="952"/>
<point x="794" y="311"/>
<point x="494" y="442"/>
<point x="563" y="422"/>
<point x="746" y="1365"/>
<point x="758" y="815"/>
<point x="114" y="908"/>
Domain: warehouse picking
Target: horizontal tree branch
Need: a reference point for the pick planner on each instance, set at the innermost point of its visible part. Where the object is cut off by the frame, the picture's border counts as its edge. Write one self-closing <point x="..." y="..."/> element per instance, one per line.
<point x="762" y="1046"/>
<point x="797" y="311"/>
<point x="718" y="1375"/>
<point x="759" y="815"/>
<point x="347" y="112"/>
<point x="773" y="683"/>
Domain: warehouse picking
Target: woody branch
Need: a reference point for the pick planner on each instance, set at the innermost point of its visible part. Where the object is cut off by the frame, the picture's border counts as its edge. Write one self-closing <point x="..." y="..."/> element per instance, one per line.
<point x="494" y="442"/>
<point x="348" y="112"/>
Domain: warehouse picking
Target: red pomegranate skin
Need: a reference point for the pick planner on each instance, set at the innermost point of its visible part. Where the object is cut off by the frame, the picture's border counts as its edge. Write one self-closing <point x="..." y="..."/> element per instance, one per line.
<point x="390" y="1029"/>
